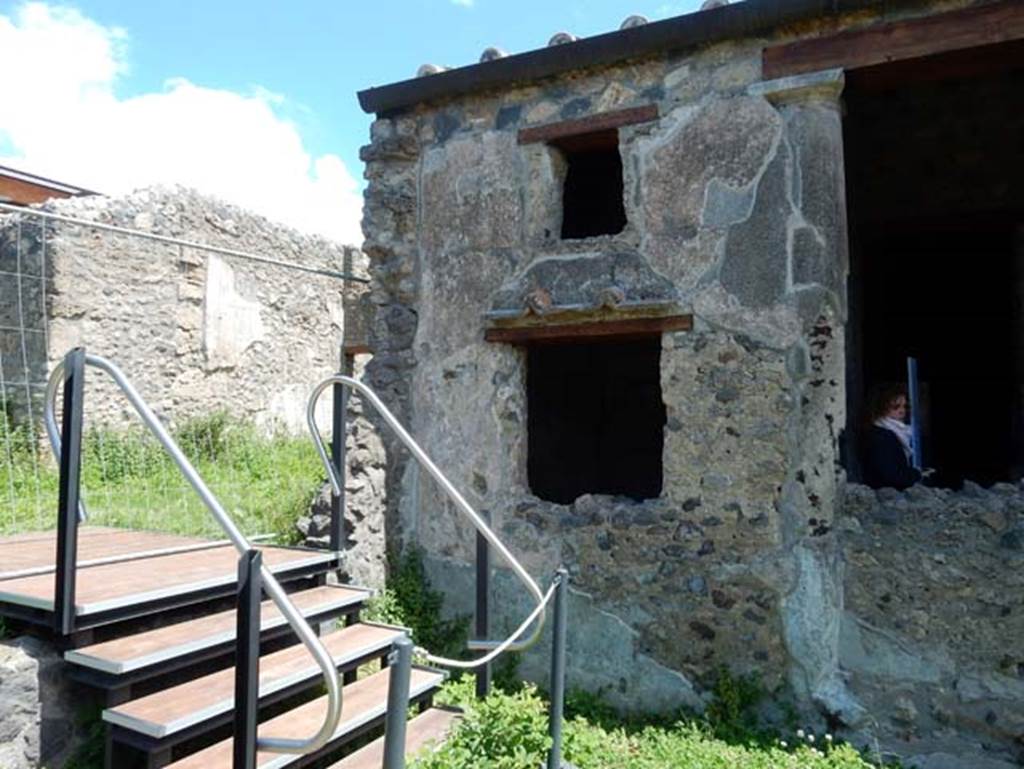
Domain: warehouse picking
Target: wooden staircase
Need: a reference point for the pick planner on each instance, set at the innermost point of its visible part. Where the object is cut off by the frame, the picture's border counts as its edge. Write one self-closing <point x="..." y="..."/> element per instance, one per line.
<point x="170" y="687"/>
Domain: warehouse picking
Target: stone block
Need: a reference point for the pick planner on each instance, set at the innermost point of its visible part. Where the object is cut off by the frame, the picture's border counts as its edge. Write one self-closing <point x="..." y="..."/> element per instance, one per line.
<point x="37" y="706"/>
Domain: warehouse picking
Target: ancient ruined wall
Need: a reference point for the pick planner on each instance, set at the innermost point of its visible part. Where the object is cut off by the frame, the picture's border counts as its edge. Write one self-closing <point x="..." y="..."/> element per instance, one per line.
<point x="734" y="198"/>
<point x="934" y="614"/>
<point x="196" y="332"/>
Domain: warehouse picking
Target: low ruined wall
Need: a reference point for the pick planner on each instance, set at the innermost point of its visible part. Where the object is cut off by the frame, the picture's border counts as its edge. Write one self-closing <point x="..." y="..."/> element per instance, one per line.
<point x="934" y="615"/>
<point x="196" y="332"/>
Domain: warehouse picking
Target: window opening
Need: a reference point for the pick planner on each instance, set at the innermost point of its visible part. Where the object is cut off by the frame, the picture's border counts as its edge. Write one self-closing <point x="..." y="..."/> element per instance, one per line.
<point x="595" y="419"/>
<point x="592" y="194"/>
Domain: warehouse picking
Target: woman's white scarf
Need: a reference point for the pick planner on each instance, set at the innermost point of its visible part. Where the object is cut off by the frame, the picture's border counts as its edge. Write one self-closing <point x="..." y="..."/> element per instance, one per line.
<point x="902" y="430"/>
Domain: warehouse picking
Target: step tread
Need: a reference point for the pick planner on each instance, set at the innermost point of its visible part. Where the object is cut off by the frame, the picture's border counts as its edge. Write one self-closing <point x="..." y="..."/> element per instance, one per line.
<point x="123" y="655"/>
<point x="429" y="728"/>
<point x="179" y="707"/>
<point x="35" y="550"/>
<point x="362" y="702"/>
<point x="111" y="586"/>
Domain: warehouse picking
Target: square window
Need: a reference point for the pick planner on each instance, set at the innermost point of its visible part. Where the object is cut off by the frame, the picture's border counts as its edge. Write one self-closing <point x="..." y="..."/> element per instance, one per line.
<point x="595" y="419"/>
<point x="592" y="193"/>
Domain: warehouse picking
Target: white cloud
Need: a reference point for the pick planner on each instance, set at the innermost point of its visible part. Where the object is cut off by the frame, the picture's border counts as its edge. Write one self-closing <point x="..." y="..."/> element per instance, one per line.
<point x="464" y="3"/>
<point x="60" y="117"/>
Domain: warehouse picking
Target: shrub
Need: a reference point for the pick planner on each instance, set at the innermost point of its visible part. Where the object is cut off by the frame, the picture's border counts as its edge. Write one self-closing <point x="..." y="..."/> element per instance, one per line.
<point x="504" y="731"/>
<point x="732" y="712"/>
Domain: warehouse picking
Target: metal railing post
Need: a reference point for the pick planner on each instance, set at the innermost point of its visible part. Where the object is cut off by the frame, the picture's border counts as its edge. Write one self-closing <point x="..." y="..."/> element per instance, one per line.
<point x="561" y="613"/>
<point x="338" y="458"/>
<point x="483" y="592"/>
<point x="69" y="492"/>
<point x="247" y="660"/>
<point x="400" y="665"/>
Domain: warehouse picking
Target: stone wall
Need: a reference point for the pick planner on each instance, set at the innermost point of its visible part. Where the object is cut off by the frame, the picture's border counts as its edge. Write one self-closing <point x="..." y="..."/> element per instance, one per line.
<point x="934" y="614"/>
<point x="44" y="716"/>
<point x="195" y="331"/>
<point x="735" y="200"/>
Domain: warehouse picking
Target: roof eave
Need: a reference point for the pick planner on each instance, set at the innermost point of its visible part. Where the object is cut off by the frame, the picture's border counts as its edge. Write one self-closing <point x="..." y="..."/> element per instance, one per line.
<point x="741" y="19"/>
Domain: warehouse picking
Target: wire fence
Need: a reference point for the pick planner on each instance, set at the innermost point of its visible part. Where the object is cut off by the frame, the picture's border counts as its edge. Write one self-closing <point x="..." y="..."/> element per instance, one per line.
<point x="224" y="345"/>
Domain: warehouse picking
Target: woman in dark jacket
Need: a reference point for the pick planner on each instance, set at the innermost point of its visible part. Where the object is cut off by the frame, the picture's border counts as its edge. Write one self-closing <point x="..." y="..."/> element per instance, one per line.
<point x="888" y="441"/>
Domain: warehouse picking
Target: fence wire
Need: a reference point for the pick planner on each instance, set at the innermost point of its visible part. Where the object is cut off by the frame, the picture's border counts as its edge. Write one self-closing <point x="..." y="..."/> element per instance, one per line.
<point x="224" y="349"/>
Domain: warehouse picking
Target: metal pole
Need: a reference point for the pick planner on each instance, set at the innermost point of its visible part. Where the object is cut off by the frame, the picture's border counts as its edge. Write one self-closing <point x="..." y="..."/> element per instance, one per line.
<point x="247" y="660"/>
<point x="558" y="669"/>
<point x="400" y="661"/>
<point x="7" y="208"/>
<point x="483" y="590"/>
<point x="914" y="396"/>
<point x="69" y="492"/>
<point x="338" y="459"/>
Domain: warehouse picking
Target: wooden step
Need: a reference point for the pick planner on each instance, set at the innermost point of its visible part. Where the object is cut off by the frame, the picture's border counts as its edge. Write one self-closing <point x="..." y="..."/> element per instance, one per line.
<point x="204" y="700"/>
<point x="117" y="585"/>
<point x="426" y="731"/>
<point x="162" y="645"/>
<point x="22" y="553"/>
<point x="363" y="703"/>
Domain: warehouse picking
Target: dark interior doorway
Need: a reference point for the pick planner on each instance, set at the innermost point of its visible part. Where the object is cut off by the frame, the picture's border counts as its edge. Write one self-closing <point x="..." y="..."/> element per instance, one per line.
<point x="934" y="158"/>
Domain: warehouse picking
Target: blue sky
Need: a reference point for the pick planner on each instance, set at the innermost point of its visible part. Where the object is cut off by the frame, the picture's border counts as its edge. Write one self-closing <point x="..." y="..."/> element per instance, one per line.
<point x="302" y="61"/>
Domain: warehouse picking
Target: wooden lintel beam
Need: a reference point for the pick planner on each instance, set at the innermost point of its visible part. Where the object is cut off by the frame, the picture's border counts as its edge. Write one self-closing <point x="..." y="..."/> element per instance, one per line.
<point x="999" y="22"/>
<point x="602" y="121"/>
<point x="627" y="327"/>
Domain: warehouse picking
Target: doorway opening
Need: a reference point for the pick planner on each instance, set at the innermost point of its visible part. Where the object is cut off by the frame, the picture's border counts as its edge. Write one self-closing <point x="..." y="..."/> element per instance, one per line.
<point x="934" y="157"/>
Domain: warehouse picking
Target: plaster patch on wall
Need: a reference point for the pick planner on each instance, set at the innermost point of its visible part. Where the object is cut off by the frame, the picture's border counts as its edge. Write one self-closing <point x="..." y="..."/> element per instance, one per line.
<point x="231" y="323"/>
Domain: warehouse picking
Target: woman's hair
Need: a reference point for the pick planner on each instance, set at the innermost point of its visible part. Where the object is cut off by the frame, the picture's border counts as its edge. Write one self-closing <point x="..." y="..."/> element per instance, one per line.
<point x="881" y="399"/>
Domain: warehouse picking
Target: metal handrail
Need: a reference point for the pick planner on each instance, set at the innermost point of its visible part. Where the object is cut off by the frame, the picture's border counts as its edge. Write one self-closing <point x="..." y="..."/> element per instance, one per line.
<point x="50" y="422"/>
<point x="242" y="545"/>
<point x="481" y="526"/>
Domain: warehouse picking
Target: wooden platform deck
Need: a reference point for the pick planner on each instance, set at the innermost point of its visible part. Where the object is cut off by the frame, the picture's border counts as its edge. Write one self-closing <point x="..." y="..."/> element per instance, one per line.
<point x="120" y="568"/>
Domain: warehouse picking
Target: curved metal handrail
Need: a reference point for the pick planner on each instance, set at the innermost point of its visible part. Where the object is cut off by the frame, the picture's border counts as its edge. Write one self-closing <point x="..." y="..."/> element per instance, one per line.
<point x="242" y="545"/>
<point x="481" y="526"/>
<point x="52" y="431"/>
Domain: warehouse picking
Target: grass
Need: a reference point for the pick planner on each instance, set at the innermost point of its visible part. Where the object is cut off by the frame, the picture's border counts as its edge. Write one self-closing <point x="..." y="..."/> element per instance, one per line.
<point x="265" y="481"/>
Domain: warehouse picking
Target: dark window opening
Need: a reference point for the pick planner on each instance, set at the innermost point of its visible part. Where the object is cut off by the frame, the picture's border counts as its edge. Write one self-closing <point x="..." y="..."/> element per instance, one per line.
<point x="592" y="196"/>
<point x="596" y="419"/>
<point x="937" y="256"/>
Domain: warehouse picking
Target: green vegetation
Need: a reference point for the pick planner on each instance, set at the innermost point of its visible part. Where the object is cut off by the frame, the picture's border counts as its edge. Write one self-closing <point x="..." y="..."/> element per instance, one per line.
<point x="90" y="750"/>
<point x="265" y="481"/>
<point x="410" y="601"/>
<point x="508" y="730"/>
